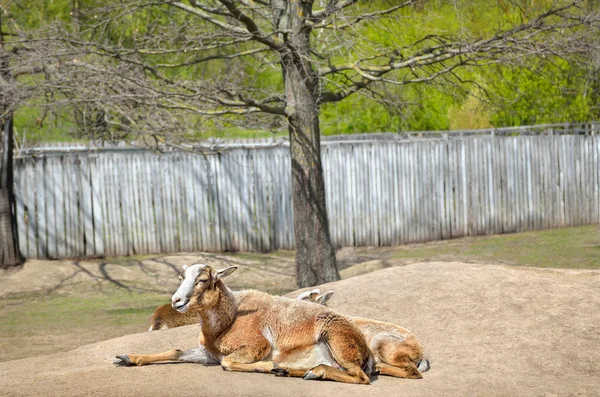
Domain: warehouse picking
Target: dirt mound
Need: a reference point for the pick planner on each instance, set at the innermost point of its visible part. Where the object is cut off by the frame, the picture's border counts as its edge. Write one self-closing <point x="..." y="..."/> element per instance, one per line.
<point x="488" y="330"/>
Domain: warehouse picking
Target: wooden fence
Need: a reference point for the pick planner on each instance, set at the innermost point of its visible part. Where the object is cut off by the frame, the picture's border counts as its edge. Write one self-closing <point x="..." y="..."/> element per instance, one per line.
<point x="379" y="192"/>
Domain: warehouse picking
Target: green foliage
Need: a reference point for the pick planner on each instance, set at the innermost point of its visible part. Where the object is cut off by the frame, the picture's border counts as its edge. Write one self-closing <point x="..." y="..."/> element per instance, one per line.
<point x="34" y="125"/>
<point x="549" y="92"/>
<point x="537" y="91"/>
<point x="29" y="14"/>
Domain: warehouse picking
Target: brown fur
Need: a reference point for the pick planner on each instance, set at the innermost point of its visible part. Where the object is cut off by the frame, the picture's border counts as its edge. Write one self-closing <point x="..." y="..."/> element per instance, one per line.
<point x="392" y="345"/>
<point x="167" y="317"/>
<point x="251" y="331"/>
<point x="396" y="350"/>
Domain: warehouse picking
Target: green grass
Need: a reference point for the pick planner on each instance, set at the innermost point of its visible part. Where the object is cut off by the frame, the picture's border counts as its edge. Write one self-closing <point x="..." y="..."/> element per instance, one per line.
<point x="43" y="323"/>
<point x="569" y="248"/>
<point x="76" y="311"/>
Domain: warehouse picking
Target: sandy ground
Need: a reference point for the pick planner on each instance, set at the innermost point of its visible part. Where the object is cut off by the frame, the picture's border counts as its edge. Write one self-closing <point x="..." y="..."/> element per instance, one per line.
<point x="488" y="330"/>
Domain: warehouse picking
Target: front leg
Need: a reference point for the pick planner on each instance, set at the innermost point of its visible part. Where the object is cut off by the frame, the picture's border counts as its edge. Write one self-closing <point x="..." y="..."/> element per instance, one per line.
<point x="249" y="359"/>
<point x="198" y="355"/>
<point x="145" y="359"/>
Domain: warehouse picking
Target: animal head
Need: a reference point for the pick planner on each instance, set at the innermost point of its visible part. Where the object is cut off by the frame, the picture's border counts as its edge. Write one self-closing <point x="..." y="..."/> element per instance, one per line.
<point x="198" y="286"/>
<point x="316" y="296"/>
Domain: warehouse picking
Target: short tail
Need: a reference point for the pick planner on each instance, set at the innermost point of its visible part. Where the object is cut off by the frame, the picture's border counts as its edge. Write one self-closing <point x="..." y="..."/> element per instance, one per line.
<point x="423" y="365"/>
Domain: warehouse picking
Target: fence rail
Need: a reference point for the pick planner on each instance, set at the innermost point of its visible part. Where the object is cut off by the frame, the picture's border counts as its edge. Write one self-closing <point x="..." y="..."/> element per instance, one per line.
<point x="386" y="192"/>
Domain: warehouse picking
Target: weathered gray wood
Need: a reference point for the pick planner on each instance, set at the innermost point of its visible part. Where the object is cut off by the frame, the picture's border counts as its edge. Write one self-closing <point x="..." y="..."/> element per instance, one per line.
<point x="412" y="193"/>
<point x="352" y="208"/>
<point x="229" y="163"/>
<point x="246" y="203"/>
<point x="40" y="202"/>
<point x="395" y="199"/>
<point x="219" y="203"/>
<point x="262" y="200"/>
<point x="334" y="170"/>
<point x="253" y="213"/>
<point x="197" y="208"/>
<point x="287" y="199"/>
<point x="75" y="237"/>
<point x="20" y="192"/>
<point x="378" y="193"/>
<point x="453" y="200"/>
<point x="141" y="242"/>
<point x="491" y="207"/>
<point x="87" y="218"/>
<point x="51" y="200"/>
<point x="189" y="209"/>
<point x="32" y="221"/>
<point x="60" y="173"/>
<point x="241" y="201"/>
<point x="144" y="225"/>
<point x="98" y="205"/>
<point x="206" y="204"/>
<point x="387" y="191"/>
<point x="595" y="175"/>
<point x="125" y="205"/>
<point x="371" y="198"/>
<point x="107" y="200"/>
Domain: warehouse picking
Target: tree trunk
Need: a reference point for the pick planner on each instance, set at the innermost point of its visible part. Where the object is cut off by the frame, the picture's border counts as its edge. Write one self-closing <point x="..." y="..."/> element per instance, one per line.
<point x="9" y="254"/>
<point x="315" y="256"/>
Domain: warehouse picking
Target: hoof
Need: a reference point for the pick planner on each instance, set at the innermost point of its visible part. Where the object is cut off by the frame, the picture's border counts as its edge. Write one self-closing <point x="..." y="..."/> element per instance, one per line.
<point x="310" y="375"/>
<point x="280" y="372"/>
<point x="123" y="361"/>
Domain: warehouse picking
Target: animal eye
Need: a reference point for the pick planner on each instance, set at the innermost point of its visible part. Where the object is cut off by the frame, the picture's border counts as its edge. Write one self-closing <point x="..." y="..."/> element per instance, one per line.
<point x="201" y="281"/>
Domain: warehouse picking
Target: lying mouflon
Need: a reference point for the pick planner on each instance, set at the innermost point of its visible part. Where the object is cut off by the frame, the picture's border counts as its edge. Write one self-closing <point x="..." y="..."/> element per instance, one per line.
<point x="251" y="331"/>
<point x="396" y="350"/>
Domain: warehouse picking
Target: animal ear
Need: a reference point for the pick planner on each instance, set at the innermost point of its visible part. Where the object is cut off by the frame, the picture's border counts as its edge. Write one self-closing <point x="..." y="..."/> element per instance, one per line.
<point x="224" y="272"/>
<point x="185" y="267"/>
<point x="305" y="296"/>
<point x="322" y="299"/>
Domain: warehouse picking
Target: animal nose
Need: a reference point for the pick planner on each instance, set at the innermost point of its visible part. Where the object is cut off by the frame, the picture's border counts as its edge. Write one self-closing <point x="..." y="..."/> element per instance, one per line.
<point x="176" y="300"/>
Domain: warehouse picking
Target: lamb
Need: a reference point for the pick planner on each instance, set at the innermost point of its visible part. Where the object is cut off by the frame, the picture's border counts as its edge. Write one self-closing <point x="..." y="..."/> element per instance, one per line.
<point x="396" y="350"/>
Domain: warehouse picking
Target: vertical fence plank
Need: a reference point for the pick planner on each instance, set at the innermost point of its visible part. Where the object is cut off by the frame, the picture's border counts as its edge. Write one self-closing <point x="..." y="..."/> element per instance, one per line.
<point x="190" y="209"/>
<point x="51" y="201"/>
<point x="372" y="201"/>
<point x="98" y="207"/>
<point x="411" y="168"/>
<point x="364" y="189"/>
<point x="386" y="213"/>
<point x="252" y="224"/>
<point x="41" y="213"/>
<point x="131" y="212"/>
<point x="76" y="203"/>
<point x="109" y="212"/>
<point x="396" y="199"/>
<point x="595" y="168"/>
<point x="198" y="202"/>
<point x="454" y="202"/>
<point x="352" y="192"/>
<point x="20" y="192"/>
<point x="332" y="169"/>
<point x="87" y="218"/>
<point x="262" y="200"/>
<point x="32" y="213"/>
<point x="145" y="227"/>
